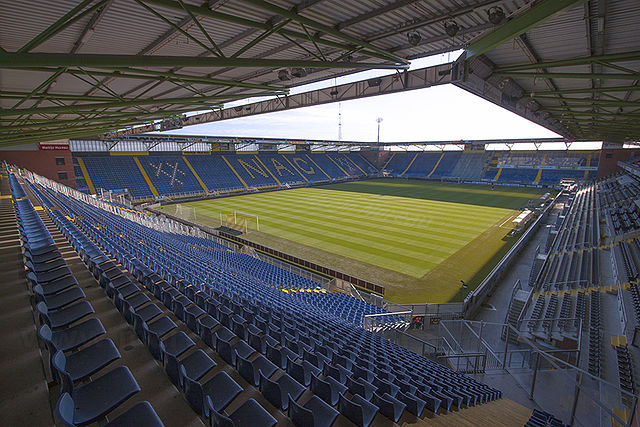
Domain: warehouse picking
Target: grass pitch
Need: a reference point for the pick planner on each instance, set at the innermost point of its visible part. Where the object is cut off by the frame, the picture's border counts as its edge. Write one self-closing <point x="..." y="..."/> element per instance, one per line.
<point x="416" y="238"/>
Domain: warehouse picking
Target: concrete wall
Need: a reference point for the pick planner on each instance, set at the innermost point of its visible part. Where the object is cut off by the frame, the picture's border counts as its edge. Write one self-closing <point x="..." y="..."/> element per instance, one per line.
<point x="609" y="158"/>
<point x="41" y="159"/>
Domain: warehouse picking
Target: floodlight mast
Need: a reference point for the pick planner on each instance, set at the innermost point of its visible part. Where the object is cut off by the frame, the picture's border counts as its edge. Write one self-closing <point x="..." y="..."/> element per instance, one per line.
<point x="379" y="120"/>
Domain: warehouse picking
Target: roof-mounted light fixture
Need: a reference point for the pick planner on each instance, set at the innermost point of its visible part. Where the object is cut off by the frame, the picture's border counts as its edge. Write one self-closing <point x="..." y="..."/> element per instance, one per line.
<point x="414" y="38"/>
<point x="298" y="72"/>
<point x="451" y="28"/>
<point x="496" y="15"/>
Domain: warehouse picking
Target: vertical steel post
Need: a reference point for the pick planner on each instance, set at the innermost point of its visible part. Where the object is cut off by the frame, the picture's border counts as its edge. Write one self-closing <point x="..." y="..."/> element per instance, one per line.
<point x="576" y="397"/>
<point x="506" y="349"/>
<point x="535" y="374"/>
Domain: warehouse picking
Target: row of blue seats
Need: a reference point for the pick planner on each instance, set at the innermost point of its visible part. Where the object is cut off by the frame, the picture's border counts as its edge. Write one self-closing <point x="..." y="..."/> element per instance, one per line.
<point x="395" y="359"/>
<point x="543" y="419"/>
<point x="67" y="333"/>
<point x="165" y="342"/>
<point x="172" y="174"/>
<point x="127" y="296"/>
<point x="216" y="393"/>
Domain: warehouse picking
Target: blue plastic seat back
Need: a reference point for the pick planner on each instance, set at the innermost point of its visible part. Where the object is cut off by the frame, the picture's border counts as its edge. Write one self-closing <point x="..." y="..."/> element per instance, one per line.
<point x="65" y="410"/>
<point x="192" y="391"/>
<point x="216" y="418"/>
<point x="300" y="415"/>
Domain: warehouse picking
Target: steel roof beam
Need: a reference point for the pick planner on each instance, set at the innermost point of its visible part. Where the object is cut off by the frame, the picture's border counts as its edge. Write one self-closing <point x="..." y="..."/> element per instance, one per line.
<point x="524" y="44"/>
<point x="133" y="73"/>
<point x="365" y="16"/>
<point x="374" y="13"/>
<point x="590" y="101"/>
<point x="212" y="4"/>
<point x="531" y="18"/>
<point x="618" y="57"/>
<point x="63" y="22"/>
<point x="324" y="29"/>
<point x="48" y="136"/>
<point x="415" y="79"/>
<point x="49" y="96"/>
<point x="130" y="118"/>
<point x="261" y="37"/>
<point x="417" y="23"/>
<point x="588" y="76"/>
<point x="178" y="28"/>
<point x="125" y="103"/>
<point x="33" y="129"/>
<point x="201" y="28"/>
<point x="203" y="11"/>
<point x="605" y="121"/>
<point x="585" y="90"/>
<point x="91" y="25"/>
<point x="555" y="111"/>
<point x="27" y="60"/>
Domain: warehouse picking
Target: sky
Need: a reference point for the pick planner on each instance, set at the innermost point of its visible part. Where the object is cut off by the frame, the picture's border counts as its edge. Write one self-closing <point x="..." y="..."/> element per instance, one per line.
<point x="439" y="113"/>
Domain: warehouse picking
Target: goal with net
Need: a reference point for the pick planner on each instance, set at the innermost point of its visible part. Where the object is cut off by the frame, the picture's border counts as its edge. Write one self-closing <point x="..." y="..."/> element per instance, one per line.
<point x="186" y="212"/>
<point x="240" y="221"/>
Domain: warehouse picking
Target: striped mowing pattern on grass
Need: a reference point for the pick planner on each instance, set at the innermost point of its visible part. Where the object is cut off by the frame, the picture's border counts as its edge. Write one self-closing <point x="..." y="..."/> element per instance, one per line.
<point x="406" y="226"/>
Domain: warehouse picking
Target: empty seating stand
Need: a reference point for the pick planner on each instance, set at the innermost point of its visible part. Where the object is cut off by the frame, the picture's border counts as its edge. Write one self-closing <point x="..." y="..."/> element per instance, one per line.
<point x="79" y="355"/>
<point x="595" y="344"/>
<point x="625" y="371"/>
<point x="203" y="310"/>
<point x="173" y="174"/>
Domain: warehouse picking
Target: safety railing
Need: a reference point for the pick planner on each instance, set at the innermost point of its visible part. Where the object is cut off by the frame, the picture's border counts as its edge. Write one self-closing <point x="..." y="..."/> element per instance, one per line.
<point x="475" y="298"/>
<point x="550" y="376"/>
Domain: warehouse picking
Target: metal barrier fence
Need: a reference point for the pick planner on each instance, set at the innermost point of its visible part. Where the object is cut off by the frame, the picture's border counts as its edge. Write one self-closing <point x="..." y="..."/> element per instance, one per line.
<point x="294" y="269"/>
<point x="424" y="348"/>
<point x="550" y="376"/>
<point x="372" y="287"/>
<point x="475" y="298"/>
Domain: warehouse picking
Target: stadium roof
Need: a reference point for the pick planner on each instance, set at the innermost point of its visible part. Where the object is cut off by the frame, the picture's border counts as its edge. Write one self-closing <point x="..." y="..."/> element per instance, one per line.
<point x="579" y="71"/>
<point x="163" y="142"/>
<point x="71" y="69"/>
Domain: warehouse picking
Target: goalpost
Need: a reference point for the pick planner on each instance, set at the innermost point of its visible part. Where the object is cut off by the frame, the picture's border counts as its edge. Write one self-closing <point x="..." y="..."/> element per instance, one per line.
<point x="186" y="212"/>
<point x="240" y="221"/>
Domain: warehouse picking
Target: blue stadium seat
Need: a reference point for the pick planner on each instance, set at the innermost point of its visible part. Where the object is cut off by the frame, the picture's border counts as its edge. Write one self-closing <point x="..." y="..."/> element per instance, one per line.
<point x="360" y="411"/>
<point x="279" y="391"/>
<point x="249" y="413"/>
<point x="220" y="390"/>
<point x="196" y="365"/>
<point x="314" y="413"/>
<point x="302" y="371"/>
<point x="251" y="370"/>
<point x="60" y="299"/>
<point x="65" y="316"/>
<point x="328" y="389"/>
<point x="390" y="407"/>
<point x="73" y="336"/>
<point x="80" y="365"/>
<point x="93" y="400"/>
<point x="141" y="414"/>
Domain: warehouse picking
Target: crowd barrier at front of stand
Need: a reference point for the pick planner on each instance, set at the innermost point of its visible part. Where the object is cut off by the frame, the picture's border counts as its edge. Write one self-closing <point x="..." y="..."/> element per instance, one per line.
<point x="474" y="300"/>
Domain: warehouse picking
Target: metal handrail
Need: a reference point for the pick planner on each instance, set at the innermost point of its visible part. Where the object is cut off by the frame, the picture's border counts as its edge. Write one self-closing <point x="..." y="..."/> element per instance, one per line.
<point x="560" y="366"/>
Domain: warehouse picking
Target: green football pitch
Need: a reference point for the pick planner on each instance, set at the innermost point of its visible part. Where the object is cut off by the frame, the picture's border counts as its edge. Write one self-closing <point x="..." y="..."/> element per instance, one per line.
<point x="416" y="238"/>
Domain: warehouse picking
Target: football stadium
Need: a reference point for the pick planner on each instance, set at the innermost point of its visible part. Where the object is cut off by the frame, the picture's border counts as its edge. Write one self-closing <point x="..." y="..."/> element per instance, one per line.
<point x="186" y="238"/>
